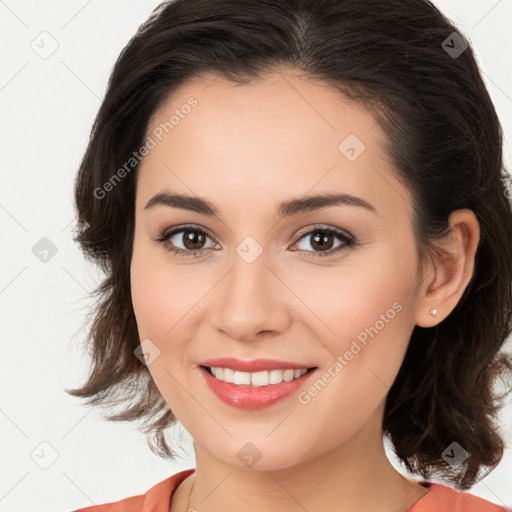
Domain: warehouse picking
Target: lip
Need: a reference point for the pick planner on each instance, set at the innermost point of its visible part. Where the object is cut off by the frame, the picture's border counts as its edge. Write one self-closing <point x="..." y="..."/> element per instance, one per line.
<point x="254" y="365"/>
<point x="251" y="397"/>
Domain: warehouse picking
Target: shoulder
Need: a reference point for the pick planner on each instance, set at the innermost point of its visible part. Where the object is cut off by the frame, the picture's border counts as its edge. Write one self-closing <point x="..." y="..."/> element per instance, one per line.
<point x="441" y="498"/>
<point x="157" y="498"/>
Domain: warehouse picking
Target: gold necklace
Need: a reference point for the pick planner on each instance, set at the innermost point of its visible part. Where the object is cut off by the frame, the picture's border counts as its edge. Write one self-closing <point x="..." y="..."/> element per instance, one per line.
<point x="190" y="495"/>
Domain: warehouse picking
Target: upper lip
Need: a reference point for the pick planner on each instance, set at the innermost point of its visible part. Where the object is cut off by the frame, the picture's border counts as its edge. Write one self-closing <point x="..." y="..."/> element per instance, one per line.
<point x="254" y="365"/>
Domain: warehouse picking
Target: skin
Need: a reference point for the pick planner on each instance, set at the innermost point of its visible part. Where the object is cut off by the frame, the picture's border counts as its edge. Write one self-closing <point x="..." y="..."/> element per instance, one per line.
<point x="245" y="149"/>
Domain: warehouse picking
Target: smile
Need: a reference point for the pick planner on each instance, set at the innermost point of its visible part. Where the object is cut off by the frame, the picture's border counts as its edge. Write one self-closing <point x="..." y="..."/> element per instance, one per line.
<point x="269" y="386"/>
<point x="256" y="379"/>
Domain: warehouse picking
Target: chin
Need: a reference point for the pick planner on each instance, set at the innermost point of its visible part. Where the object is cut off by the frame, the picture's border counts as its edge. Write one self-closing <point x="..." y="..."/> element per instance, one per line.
<point x="259" y="455"/>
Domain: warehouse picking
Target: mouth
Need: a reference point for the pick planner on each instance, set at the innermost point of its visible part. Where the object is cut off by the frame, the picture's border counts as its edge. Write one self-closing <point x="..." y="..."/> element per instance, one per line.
<point x="255" y="390"/>
<point x="263" y="378"/>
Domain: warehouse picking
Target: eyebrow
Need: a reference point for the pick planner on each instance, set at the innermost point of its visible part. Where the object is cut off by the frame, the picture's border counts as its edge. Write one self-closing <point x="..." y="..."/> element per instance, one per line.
<point x="287" y="208"/>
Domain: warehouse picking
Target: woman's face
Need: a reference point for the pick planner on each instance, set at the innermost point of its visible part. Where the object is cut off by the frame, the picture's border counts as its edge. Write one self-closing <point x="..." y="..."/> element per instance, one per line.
<point x="270" y="283"/>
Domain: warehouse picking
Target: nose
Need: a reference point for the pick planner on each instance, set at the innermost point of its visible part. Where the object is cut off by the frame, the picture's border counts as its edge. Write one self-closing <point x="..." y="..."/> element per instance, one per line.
<point x="252" y="300"/>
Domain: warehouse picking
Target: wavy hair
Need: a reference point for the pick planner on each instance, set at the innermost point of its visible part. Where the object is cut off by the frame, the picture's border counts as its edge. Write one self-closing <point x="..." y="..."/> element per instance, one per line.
<point x="398" y="59"/>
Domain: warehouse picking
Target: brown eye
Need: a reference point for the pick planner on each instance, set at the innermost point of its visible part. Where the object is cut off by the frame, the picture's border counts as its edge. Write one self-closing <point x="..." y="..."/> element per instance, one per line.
<point x="322" y="241"/>
<point x="192" y="239"/>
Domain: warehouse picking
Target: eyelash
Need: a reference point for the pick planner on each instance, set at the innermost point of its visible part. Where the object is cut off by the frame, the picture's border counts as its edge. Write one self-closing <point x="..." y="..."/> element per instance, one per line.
<point x="348" y="241"/>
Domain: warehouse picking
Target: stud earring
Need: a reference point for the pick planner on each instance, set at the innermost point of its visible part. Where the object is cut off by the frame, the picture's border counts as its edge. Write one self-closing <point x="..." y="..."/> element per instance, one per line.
<point x="433" y="312"/>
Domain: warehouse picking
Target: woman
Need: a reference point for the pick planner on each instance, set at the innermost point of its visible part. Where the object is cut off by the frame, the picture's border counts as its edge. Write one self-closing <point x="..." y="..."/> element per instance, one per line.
<point x="301" y="210"/>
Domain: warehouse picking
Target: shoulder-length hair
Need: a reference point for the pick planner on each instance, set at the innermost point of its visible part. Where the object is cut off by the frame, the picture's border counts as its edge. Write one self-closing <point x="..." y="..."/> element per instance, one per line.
<point x="406" y="63"/>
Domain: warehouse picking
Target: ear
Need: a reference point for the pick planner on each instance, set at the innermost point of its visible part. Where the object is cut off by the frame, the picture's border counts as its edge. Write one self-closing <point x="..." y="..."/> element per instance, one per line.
<point x="450" y="271"/>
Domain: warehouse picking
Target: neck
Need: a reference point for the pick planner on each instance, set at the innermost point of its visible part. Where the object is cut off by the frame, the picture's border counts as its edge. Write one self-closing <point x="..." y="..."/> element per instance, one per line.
<point x="355" y="475"/>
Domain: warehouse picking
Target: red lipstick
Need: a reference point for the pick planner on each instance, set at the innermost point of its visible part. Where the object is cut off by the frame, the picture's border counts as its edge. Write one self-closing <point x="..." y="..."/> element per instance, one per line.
<point x="254" y="365"/>
<point x="253" y="397"/>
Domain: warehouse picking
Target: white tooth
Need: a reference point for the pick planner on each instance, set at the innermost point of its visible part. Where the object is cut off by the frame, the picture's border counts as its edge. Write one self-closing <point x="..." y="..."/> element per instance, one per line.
<point x="242" y="378"/>
<point x="275" y="377"/>
<point x="259" y="378"/>
<point x="256" y="379"/>
<point x="229" y="375"/>
<point x="288" y="375"/>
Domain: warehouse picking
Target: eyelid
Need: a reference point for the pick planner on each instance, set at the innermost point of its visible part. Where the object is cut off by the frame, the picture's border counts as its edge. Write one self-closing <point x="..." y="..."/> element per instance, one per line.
<point x="175" y="229"/>
<point x="348" y="240"/>
<point x="166" y="233"/>
<point x="321" y="227"/>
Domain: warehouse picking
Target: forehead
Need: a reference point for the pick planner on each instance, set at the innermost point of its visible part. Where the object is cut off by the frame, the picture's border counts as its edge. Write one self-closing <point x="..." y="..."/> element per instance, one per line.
<point x="265" y="141"/>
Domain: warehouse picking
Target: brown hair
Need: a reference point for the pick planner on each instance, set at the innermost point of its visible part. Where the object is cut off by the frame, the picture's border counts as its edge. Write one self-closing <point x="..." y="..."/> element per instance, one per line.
<point x="444" y="138"/>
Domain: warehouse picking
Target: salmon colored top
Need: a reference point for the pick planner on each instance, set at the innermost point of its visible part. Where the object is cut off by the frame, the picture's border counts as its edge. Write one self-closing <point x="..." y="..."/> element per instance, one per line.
<point x="439" y="498"/>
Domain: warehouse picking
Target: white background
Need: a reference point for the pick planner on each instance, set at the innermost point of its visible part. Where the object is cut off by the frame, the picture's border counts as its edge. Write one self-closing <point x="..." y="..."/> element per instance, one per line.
<point x="47" y="109"/>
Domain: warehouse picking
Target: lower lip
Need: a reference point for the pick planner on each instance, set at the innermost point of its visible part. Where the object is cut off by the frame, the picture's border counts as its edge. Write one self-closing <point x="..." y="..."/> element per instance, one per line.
<point x="251" y="397"/>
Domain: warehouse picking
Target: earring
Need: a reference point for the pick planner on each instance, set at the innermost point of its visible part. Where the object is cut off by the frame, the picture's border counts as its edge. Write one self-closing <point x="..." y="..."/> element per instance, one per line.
<point x="433" y="312"/>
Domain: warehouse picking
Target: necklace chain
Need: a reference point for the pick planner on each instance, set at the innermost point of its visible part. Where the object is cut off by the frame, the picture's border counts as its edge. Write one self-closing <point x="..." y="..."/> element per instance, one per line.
<point x="192" y="488"/>
<point x="190" y="495"/>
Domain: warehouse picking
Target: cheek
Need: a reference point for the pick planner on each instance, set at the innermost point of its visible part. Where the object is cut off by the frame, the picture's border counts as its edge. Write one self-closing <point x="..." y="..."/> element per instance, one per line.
<point x="146" y="291"/>
<point x="158" y="312"/>
<point x="163" y="298"/>
<point x="352" y="299"/>
<point x="366" y="314"/>
<point x="159" y="293"/>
